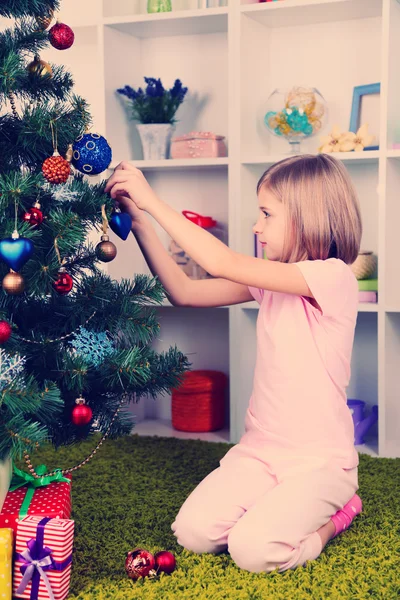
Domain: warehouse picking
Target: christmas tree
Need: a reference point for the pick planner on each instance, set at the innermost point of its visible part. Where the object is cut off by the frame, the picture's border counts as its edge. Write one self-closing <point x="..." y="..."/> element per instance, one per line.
<point x="74" y="344"/>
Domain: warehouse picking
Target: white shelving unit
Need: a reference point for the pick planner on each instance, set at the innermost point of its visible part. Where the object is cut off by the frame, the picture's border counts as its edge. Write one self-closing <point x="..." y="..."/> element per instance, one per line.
<point x="232" y="58"/>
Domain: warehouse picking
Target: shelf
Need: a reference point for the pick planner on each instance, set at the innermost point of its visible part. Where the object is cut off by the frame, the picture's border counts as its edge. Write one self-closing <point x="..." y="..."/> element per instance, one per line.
<point x="171" y="163"/>
<point x="167" y="304"/>
<point x="362" y="307"/>
<point x="188" y="22"/>
<point x="370" y="448"/>
<point x="364" y="157"/>
<point x="163" y="428"/>
<point x="393" y="153"/>
<point x="308" y="12"/>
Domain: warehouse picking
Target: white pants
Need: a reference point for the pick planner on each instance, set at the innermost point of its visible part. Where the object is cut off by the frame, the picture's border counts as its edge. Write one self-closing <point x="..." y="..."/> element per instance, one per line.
<point x="264" y="524"/>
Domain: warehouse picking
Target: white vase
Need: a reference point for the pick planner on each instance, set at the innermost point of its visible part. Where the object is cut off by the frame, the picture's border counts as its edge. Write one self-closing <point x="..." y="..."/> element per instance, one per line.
<point x="5" y="479"/>
<point x="155" y="138"/>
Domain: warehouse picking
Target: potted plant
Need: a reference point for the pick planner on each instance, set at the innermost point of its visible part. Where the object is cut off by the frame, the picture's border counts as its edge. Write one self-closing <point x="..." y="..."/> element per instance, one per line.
<point x="154" y="108"/>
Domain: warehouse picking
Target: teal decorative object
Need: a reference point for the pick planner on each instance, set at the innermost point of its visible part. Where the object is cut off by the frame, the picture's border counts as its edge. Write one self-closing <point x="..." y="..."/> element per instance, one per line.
<point x="295" y="114"/>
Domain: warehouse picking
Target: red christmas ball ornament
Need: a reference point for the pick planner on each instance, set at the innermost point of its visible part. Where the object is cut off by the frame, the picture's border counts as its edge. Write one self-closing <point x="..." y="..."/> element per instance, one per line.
<point x="139" y="563"/>
<point x="81" y="413"/>
<point x="33" y="216"/>
<point x="165" y="561"/>
<point x="61" y="36"/>
<point x="5" y="332"/>
<point x="56" y="169"/>
<point x="64" y="282"/>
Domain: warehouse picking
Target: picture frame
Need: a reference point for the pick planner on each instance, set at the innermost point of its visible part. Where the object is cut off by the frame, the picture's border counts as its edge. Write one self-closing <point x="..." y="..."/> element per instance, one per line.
<point x="356" y="120"/>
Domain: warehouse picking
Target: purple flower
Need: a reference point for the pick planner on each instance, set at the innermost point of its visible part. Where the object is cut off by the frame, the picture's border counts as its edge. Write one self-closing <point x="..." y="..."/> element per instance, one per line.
<point x="154" y="88"/>
<point x="155" y="104"/>
<point x="178" y="91"/>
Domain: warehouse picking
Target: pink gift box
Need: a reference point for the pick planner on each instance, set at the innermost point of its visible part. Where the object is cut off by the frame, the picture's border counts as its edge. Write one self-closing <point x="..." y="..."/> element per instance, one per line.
<point x="48" y="542"/>
<point x="198" y="144"/>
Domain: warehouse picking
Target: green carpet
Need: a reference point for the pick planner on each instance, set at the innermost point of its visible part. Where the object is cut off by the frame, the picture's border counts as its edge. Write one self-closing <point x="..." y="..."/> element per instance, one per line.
<point x="128" y="495"/>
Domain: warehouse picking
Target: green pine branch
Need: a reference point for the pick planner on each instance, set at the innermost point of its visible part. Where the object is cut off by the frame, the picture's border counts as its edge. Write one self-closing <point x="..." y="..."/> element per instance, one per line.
<point x="28" y="140"/>
<point x="37" y="405"/>
<point x="28" y="8"/>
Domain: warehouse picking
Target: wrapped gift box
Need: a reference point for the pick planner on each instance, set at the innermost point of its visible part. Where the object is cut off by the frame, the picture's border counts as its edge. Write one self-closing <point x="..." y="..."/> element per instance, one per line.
<point x="6" y="551"/>
<point x="53" y="500"/>
<point x="45" y="543"/>
<point x="198" y="144"/>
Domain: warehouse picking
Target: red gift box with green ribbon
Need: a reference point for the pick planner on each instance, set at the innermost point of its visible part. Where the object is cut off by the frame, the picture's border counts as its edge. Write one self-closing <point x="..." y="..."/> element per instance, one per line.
<point x="43" y="497"/>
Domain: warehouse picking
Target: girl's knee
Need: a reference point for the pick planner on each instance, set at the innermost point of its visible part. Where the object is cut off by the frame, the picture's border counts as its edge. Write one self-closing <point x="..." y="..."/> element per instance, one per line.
<point x="257" y="555"/>
<point x="198" y="534"/>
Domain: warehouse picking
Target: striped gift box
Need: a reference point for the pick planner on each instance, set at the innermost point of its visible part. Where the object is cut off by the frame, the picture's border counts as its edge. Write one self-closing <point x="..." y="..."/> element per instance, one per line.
<point x="58" y="536"/>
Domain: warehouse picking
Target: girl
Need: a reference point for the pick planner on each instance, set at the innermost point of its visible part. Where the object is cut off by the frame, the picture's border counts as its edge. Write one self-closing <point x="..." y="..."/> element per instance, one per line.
<point x="289" y="485"/>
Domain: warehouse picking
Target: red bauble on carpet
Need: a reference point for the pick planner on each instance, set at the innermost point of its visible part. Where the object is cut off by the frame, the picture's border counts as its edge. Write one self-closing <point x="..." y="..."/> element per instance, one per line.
<point x="165" y="561"/>
<point x="139" y="563"/>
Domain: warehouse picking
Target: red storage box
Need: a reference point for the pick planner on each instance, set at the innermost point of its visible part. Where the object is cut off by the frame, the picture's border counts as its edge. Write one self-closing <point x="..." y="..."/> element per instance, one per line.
<point x="199" y="403"/>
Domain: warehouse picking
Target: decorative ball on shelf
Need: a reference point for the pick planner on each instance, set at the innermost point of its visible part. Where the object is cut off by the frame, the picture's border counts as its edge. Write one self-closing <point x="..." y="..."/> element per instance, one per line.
<point x="33" y="215"/>
<point x="5" y="331"/>
<point x="45" y="21"/>
<point x="295" y="114"/>
<point x="91" y="154"/>
<point x="39" y="68"/>
<point x="121" y="224"/>
<point x="81" y="413"/>
<point x="139" y="563"/>
<point x="56" y="169"/>
<point x="64" y="282"/>
<point x="106" y="250"/>
<point x="13" y="283"/>
<point x="165" y="561"/>
<point x="61" y="36"/>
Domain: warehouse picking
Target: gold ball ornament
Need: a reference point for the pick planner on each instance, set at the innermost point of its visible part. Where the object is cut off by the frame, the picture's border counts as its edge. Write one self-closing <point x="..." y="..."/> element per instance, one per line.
<point x="13" y="283"/>
<point x="39" y="68"/>
<point x="45" y="21"/>
<point x="106" y="250"/>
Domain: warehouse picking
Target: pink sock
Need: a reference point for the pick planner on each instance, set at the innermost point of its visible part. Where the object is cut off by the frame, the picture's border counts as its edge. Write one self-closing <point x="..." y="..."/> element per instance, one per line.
<point x="343" y="518"/>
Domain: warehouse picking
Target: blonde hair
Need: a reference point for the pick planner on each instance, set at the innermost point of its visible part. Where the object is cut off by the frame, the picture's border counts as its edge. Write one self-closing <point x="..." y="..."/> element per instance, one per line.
<point x="323" y="217"/>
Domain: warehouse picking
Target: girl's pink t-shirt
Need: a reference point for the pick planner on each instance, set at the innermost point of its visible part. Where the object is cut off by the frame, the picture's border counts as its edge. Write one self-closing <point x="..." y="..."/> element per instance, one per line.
<point x="298" y="418"/>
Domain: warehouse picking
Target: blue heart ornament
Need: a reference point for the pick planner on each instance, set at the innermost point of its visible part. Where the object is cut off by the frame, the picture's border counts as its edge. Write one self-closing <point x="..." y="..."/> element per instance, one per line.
<point x="121" y="224"/>
<point x="16" y="253"/>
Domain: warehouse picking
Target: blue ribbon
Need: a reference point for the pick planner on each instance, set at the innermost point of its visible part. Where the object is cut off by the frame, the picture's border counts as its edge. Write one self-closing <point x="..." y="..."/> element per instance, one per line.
<point x="37" y="560"/>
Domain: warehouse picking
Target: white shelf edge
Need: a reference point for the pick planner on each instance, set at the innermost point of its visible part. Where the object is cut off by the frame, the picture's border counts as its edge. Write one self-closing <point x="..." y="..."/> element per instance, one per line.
<point x="163" y="428"/>
<point x="362" y="307"/>
<point x="300" y="12"/>
<point x="268" y="159"/>
<point x="263" y="7"/>
<point x="165" y="16"/>
<point x="167" y="304"/>
<point x="393" y="153"/>
<point x="370" y="448"/>
<point x="175" y="163"/>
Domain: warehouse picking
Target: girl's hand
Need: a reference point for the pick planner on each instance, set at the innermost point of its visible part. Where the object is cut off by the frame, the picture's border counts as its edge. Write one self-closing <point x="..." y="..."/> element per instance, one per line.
<point x="130" y="183"/>
<point x="125" y="204"/>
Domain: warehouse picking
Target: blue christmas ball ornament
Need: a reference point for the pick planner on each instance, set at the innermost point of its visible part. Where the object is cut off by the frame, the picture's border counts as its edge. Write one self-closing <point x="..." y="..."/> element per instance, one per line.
<point x="91" y="154"/>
